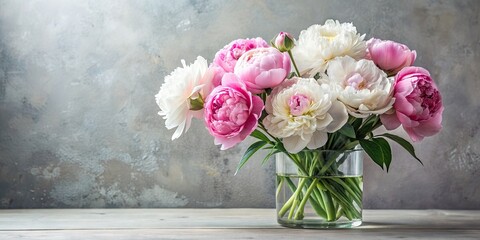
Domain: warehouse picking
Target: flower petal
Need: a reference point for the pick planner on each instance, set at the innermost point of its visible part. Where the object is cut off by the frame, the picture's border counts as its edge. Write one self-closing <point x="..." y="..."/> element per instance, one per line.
<point x="430" y="127"/>
<point x="270" y="78"/>
<point x="390" y="121"/>
<point x="295" y="144"/>
<point x="338" y="111"/>
<point x="318" y="140"/>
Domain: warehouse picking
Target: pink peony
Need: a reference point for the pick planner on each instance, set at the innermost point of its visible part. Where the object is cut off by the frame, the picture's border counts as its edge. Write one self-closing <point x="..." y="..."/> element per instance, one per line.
<point x="262" y="68"/>
<point x="390" y="56"/>
<point x="231" y="112"/>
<point x="418" y="104"/>
<point x="218" y="73"/>
<point x="226" y="58"/>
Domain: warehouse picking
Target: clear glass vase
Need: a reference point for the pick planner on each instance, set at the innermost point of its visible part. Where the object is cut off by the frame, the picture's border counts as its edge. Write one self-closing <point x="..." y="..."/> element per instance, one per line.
<point x="320" y="188"/>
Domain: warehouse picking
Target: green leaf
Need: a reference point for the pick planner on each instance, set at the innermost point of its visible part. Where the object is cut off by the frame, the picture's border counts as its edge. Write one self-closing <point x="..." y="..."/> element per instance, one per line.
<point x="259" y="135"/>
<point x="386" y="151"/>
<point x="289" y="44"/>
<point x="249" y="153"/>
<point x="368" y="125"/>
<point x="369" y="121"/>
<point x="270" y="154"/>
<point x="404" y="143"/>
<point x="348" y="131"/>
<point x="356" y="123"/>
<point x="373" y="150"/>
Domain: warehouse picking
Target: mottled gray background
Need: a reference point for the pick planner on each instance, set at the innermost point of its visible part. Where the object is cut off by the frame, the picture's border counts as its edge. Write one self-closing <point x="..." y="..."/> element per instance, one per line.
<point x="79" y="125"/>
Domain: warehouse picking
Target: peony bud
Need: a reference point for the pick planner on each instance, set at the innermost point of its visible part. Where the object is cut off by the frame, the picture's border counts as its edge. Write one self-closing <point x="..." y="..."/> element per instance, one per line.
<point x="390" y="56"/>
<point x="283" y="42"/>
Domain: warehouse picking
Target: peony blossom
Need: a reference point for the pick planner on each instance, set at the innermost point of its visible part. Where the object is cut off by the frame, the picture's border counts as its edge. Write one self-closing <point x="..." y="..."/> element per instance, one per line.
<point x="319" y="44"/>
<point x="418" y="104"/>
<point x="185" y="85"/>
<point x="389" y="55"/>
<point x="364" y="88"/>
<point x="283" y="42"/>
<point x="262" y="68"/>
<point x="301" y="112"/>
<point x="226" y="58"/>
<point x="231" y="112"/>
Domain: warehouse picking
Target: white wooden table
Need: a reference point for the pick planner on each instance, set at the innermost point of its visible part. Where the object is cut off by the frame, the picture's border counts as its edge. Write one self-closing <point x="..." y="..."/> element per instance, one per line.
<point x="121" y="224"/>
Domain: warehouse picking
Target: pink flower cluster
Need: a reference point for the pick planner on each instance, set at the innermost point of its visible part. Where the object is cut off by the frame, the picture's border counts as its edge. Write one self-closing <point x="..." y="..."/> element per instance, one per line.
<point x="418" y="104"/>
<point x="226" y="59"/>
<point x="242" y="68"/>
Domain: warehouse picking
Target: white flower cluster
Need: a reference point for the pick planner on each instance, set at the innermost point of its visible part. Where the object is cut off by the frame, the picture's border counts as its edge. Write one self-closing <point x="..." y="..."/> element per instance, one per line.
<point x="181" y="87"/>
<point x="319" y="44"/>
<point x="302" y="112"/>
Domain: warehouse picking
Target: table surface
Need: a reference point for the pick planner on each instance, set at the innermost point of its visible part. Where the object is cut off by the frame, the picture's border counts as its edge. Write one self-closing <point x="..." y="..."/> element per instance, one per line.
<point x="239" y="223"/>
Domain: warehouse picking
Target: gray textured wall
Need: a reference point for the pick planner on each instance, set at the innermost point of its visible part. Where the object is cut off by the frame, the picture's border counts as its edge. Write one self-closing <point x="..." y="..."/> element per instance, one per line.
<point x="78" y="122"/>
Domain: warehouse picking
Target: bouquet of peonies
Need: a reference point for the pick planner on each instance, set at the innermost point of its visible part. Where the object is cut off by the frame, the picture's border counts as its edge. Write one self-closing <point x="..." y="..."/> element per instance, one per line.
<point x="327" y="90"/>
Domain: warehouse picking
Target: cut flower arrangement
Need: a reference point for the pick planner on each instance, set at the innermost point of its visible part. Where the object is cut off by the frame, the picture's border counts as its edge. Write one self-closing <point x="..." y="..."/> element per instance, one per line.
<point x="314" y="102"/>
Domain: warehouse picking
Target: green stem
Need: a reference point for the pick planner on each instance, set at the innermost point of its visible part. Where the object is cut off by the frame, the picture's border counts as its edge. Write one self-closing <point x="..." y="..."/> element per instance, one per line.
<point x="355" y="186"/>
<point x="319" y="198"/>
<point x="299" y="214"/>
<point x="328" y="203"/>
<point x="293" y="61"/>
<point x="356" y="198"/>
<point x="339" y="213"/>
<point x="292" y="208"/>
<point x="347" y="205"/>
<point x="316" y="206"/>
<point x="349" y="145"/>
<point x="298" y="163"/>
<point x="331" y="160"/>
<point x="291" y="185"/>
<point x="280" y="183"/>
<point x="313" y="164"/>
<point x="290" y="202"/>
<point x="315" y="199"/>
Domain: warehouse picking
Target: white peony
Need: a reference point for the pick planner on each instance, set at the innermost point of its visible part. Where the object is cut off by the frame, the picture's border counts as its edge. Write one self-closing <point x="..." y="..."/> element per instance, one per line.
<point x="319" y="44"/>
<point x="363" y="87"/>
<point x="181" y="89"/>
<point x="302" y="111"/>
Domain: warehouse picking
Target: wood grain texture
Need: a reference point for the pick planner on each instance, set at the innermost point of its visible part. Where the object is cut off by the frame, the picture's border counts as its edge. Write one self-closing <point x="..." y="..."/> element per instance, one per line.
<point x="226" y="224"/>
